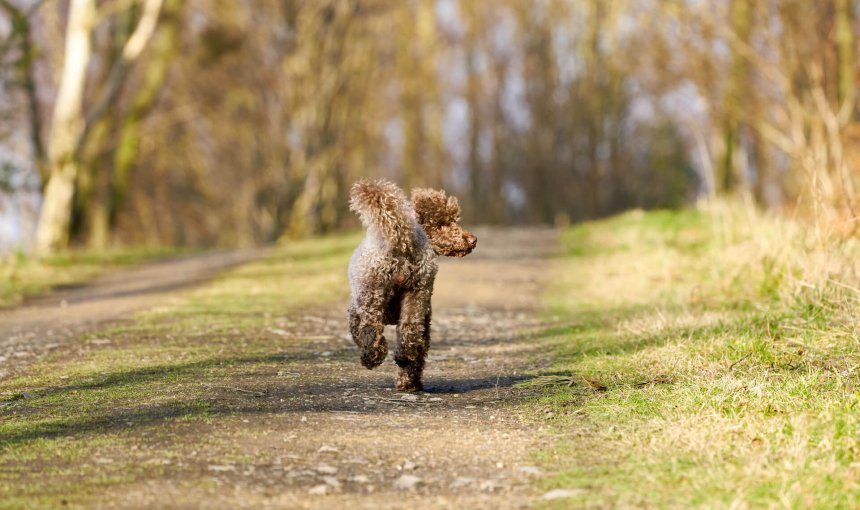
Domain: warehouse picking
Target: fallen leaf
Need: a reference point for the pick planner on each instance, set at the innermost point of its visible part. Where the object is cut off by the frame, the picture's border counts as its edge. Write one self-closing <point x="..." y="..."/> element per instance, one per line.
<point x="562" y="493"/>
<point x="594" y="385"/>
<point x="319" y="490"/>
<point x="326" y="470"/>
<point x="331" y="481"/>
<point x="530" y="470"/>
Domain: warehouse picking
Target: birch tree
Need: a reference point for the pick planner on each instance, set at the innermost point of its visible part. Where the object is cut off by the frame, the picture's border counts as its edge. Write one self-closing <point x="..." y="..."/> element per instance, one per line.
<point x="71" y="124"/>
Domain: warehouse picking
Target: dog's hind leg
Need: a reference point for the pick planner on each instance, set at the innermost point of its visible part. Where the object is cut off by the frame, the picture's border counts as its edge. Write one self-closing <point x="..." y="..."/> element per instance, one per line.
<point x="413" y="339"/>
<point x="366" y="327"/>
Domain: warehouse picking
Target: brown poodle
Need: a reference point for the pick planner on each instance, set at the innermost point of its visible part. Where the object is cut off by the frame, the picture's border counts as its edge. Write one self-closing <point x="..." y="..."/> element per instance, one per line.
<point x="391" y="273"/>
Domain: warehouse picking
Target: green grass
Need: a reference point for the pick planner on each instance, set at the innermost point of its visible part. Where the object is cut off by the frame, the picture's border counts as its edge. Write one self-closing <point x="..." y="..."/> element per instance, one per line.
<point x="22" y="276"/>
<point x="152" y="399"/>
<point x="727" y="344"/>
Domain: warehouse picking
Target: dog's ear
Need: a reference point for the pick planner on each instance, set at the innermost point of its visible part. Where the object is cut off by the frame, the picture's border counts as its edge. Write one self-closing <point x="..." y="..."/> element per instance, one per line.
<point x="453" y="207"/>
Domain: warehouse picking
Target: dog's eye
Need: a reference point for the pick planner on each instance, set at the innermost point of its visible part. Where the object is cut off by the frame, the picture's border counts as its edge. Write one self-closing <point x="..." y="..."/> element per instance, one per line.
<point x="442" y="228"/>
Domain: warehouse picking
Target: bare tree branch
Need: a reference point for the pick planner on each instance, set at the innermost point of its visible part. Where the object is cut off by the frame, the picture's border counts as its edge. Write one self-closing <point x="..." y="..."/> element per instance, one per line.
<point x="130" y="52"/>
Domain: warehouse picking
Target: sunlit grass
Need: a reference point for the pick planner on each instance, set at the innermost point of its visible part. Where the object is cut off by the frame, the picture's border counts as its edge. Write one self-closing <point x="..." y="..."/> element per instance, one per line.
<point x="22" y="275"/>
<point x="728" y="346"/>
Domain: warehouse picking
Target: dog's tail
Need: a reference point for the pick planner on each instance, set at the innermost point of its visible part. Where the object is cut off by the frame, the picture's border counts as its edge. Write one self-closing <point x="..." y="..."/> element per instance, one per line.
<point x="384" y="209"/>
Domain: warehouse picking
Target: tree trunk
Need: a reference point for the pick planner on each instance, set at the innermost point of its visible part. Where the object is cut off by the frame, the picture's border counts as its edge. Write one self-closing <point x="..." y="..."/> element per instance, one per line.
<point x="476" y="188"/>
<point x="93" y="192"/>
<point x="731" y="168"/>
<point x="303" y="219"/>
<point x="111" y="176"/>
<point x="52" y="232"/>
<point x="845" y="45"/>
<point x="98" y="214"/>
<point x="495" y="198"/>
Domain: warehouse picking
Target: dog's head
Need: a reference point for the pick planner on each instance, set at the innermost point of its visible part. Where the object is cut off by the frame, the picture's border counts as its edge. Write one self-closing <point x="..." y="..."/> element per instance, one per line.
<point x="439" y="216"/>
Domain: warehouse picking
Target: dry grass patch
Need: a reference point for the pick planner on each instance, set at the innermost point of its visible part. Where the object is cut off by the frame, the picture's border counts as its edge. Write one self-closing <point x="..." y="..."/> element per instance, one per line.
<point x="727" y="344"/>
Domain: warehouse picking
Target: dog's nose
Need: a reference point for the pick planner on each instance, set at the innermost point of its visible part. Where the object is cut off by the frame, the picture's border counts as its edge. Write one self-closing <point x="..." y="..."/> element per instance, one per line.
<point x="471" y="240"/>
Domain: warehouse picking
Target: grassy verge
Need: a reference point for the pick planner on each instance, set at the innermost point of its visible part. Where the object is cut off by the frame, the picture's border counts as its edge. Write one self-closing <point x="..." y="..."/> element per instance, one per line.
<point x="166" y="396"/>
<point x="711" y="361"/>
<point x="22" y="276"/>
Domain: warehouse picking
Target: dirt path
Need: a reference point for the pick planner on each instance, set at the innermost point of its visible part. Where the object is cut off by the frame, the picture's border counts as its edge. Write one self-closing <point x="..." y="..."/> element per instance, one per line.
<point x="290" y="420"/>
<point x="45" y="323"/>
<point x="325" y="433"/>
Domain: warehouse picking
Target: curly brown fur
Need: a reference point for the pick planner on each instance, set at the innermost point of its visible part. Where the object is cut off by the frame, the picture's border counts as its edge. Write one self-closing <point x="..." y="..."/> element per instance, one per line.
<point x="392" y="271"/>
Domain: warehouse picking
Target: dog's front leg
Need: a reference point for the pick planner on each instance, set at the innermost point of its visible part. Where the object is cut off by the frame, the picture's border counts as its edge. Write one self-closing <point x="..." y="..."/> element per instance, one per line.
<point x="413" y="339"/>
<point x="366" y="328"/>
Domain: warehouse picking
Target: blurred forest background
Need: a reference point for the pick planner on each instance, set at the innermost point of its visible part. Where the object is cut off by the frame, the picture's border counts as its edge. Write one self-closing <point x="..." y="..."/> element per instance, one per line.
<point x="233" y="123"/>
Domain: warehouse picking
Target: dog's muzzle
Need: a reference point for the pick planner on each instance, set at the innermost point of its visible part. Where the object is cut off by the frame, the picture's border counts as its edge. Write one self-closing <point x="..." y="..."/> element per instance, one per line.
<point x="471" y="241"/>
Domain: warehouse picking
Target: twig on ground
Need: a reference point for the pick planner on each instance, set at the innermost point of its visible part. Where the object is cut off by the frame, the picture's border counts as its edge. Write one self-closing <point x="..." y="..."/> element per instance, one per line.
<point x="397" y="400"/>
<point x="658" y="379"/>
<point x="745" y="356"/>
<point x="15" y="400"/>
<point x="552" y="380"/>
<point x="240" y="390"/>
<point x="569" y="381"/>
<point x="844" y="286"/>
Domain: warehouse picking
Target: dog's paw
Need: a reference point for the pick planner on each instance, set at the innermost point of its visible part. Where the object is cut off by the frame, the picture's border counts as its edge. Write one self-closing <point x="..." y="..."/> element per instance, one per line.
<point x="374" y="348"/>
<point x="406" y="382"/>
<point x="373" y="356"/>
